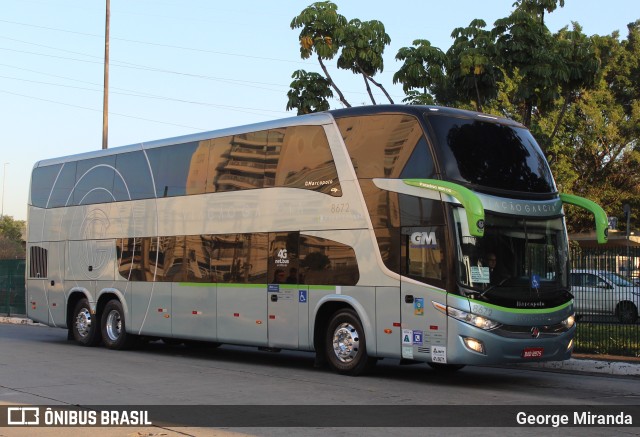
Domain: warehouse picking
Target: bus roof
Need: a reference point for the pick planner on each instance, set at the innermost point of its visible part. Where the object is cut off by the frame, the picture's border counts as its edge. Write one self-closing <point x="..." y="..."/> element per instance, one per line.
<point x="319" y="118"/>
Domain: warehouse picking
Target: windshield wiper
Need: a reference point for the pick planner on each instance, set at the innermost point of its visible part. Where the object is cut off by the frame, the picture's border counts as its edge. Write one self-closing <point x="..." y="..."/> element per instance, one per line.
<point x="493" y="286"/>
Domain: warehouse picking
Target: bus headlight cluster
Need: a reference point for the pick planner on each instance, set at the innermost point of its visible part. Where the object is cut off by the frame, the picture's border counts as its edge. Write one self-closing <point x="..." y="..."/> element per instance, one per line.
<point x="472" y="319"/>
<point x="569" y="321"/>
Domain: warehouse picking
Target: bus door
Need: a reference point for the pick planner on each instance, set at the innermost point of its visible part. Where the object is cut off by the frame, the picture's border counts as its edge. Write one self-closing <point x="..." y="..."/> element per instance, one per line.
<point x="424" y="333"/>
<point x="282" y="289"/>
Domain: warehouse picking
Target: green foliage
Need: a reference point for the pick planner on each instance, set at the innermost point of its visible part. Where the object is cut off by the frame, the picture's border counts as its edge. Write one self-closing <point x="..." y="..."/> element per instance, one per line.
<point x="321" y="26"/>
<point x="309" y="93"/>
<point x="578" y="94"/>
<point x="596" y="144"/>
<point x="11" y="229"/>
<point x="608" y="339"/>
<point x="11" y="238"/>
<point x="361" y="44"/>
<point x="424" y="68"/>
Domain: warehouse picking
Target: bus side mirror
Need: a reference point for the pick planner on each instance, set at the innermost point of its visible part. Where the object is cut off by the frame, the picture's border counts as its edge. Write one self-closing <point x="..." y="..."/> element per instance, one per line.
<point x="602" y="223"/>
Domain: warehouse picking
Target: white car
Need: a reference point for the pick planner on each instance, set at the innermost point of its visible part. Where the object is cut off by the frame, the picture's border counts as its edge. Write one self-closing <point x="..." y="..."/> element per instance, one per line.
<point x="599" y="292"/>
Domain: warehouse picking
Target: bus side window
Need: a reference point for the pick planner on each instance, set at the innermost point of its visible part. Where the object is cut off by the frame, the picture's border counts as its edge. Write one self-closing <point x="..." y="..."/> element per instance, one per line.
<point x="301" y="159"/>
<point x="327" y="262"/>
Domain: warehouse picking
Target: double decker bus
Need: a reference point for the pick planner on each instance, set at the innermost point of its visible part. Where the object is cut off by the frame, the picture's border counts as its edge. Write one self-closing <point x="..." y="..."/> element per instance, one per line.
<point x="358" y="234"/>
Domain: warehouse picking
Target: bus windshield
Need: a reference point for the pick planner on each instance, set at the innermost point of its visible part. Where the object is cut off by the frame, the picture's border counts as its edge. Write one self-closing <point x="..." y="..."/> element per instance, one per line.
<point x="518" y="258"/>
<point x="491" y="155"/>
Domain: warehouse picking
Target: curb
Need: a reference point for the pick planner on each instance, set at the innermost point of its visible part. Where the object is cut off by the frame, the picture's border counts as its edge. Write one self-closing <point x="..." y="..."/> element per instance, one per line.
<point x="589" y="366"/>
<point x="572" y="365"/>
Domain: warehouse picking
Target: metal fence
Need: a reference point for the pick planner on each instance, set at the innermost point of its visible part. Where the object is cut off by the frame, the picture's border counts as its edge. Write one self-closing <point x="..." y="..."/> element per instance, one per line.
<point x="601" y="329"/>
<point x="12" y="289"/>
<point x="606" y="288"/>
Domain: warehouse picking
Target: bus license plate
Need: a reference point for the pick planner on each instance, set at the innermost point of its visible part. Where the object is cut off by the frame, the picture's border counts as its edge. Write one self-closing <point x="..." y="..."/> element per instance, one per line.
<point x="532" y="352"/>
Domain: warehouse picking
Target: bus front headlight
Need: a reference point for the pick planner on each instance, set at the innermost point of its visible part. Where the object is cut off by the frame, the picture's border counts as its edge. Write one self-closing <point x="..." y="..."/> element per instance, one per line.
<point x="569" y="321"/>
<point x="472" y="319"/>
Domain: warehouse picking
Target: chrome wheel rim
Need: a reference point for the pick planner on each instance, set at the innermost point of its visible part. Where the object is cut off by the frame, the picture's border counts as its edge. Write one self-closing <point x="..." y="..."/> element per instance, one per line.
<point x="113" y="325"/>
<point x="83" y="322"/>
<point x="346" y="342"/>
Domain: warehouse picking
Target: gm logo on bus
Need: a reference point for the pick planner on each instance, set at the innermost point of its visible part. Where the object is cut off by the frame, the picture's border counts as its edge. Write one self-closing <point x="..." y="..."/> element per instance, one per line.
<point x="424" y="239"/>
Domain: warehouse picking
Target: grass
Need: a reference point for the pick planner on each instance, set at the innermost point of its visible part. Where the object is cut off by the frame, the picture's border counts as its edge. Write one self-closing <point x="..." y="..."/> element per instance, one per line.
<point x="608" y="339"/>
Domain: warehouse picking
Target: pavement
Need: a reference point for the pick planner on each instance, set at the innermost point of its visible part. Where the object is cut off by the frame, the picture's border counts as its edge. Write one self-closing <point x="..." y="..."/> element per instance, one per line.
<point x="579" y="363"/>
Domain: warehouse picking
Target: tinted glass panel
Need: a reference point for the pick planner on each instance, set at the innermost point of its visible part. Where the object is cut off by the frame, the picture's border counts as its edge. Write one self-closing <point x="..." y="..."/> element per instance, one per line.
<point x="133" y="180"/>
<point x="300" y="157"/>
<point x="171" y="168"/>
<point x="242" y="166"/>
<point x="63" y="188"/>
<point x="327" y="262"/>
<point x="240" y="258"/>
<point x="492" y="155"/>
<point x="389" y="211"/>
<point x="219" y="159"/>
<point x="417" y="211"/>
<point x="137" y="258"/>
<point x="380" y="145"/>
<point x="94" y="179"/>
<point x="41" y="182"/>
<point x="283" y="258"/>
<point x="423" y="250"/>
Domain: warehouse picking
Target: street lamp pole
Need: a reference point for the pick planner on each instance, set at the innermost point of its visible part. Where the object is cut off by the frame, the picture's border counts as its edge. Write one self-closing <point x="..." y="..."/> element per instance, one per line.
<point x="105" y="101"/>
<point x="4" y="177"/>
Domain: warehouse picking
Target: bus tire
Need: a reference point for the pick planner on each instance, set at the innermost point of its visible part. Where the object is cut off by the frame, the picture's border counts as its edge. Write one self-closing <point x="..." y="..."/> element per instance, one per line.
<point x="114" y="333"/>
<point x="346" y="345"/>
<point x="85" y="328"/>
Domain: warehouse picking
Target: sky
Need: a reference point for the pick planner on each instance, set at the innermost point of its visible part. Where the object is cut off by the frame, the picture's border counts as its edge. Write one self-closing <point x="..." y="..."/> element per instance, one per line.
<point x="179" y="67"/>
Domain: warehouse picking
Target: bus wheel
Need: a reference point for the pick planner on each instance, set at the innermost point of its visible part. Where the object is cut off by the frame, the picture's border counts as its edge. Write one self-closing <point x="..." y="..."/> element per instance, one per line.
<point x="84" y="326"/>
<point x="114" y="333"/>
<point x="346" y="346"/>
<point x="445" y="367"/>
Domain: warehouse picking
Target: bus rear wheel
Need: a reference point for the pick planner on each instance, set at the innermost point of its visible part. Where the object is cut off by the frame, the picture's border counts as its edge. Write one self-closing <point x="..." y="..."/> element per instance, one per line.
<point x="84" y="326"/>
<point x="346" y="345"/>
<point x="114" y="333"/>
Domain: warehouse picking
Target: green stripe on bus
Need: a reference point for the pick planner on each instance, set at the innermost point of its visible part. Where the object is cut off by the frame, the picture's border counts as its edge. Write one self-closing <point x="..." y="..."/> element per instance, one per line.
<point x="236" y="285"/>
<point x="220" y="284"/>
<point x="471" y="203"/>
<point x="523" y="310"/>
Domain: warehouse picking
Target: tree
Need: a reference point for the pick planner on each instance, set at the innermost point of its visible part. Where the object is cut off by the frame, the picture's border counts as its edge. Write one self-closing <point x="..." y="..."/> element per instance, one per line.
<point x="472" y="71"/>
<point x="309" y="93"/>
<point x="363" y="45"/>
<point x="321" y="29"/>
<point x="11" y="238"/>
<point x="525" y="45"/>
<point x="577" y="53"/>
<point x="423" y="72"/>
<point x="597" y="143"/>
<point x="326" y="33"/>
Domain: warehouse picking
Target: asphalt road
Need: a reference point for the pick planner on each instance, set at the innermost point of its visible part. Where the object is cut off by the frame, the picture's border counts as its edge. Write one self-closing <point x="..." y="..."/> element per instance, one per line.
<point x="38" y="366"/>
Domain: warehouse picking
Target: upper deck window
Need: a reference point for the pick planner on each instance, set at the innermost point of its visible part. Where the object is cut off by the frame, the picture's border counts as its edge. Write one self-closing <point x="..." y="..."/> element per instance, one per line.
<point x="492" y="155"/>
<point x="386" y="146"/>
